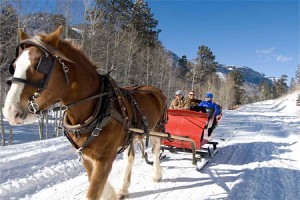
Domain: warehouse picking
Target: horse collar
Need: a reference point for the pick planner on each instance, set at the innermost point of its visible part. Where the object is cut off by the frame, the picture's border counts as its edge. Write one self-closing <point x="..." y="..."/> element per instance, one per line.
<point x="89" y="124"/>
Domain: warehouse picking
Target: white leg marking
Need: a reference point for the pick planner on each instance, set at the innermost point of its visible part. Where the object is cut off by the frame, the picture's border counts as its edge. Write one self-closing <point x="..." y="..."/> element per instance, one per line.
<point x="108" y="192"/>
<point x="129" y="160"/>
<point x="157" y="171"/>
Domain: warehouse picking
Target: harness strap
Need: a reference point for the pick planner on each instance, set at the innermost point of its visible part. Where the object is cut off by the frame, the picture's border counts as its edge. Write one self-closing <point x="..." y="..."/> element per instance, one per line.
<point x="70" y="139"/>
<point x="164" y="120"/>
<point x="134" y="121"/>
<point x="116" y="115"/>
<point x="54" y="51"/>
<point x="65" y="107"/>
<point x="39" y="84"/>
<point x="91" y="137"/>
<point x="120" y="100"/>
<point x="143" y="117"/>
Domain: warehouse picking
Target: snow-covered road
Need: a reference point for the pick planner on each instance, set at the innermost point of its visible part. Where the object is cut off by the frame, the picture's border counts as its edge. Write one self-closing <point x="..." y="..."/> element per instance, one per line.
<point x="257" y="159"/>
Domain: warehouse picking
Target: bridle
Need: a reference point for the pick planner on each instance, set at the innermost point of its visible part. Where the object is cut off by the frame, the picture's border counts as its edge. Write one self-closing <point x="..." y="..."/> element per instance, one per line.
<point x="45" y="65"/>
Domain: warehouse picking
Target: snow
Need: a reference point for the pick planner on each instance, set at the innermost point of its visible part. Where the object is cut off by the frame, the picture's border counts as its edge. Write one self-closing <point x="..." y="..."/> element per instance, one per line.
<point x="257" y="159"/>
<point x="221" y="76"/>
<point x="77" y="30"/>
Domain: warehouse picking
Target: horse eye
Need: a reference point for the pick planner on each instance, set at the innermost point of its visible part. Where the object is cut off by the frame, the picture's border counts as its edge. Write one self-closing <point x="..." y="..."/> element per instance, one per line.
<point x="35" y="66"/>
<point x="11" y="68"/>
<point x="9" y="83"/>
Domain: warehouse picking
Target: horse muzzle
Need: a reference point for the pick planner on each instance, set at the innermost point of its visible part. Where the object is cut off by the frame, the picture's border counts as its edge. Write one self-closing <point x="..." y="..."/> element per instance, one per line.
<point x="17" y="116"/>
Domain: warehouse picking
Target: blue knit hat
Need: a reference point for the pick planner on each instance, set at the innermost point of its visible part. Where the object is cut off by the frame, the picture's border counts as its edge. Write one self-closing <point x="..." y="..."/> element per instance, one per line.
<point x="210" y="95"/>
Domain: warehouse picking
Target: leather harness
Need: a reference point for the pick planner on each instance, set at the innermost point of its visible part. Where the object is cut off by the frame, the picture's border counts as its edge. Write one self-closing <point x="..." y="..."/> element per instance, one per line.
<point x="111" y="103"/>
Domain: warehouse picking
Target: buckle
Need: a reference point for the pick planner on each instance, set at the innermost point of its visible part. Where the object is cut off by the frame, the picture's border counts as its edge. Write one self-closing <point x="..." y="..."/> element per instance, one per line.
<point x="96" y="131"/>
<point x="33" y="107"/>
<point x="76" y="132"/>
<point x="79" y="153"/>
<point x="63" y="108"/>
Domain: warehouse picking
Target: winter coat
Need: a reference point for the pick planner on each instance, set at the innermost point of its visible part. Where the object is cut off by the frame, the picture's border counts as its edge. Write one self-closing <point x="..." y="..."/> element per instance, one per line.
<point x="194" y="102"/>
<point x="179" y="104"/>
<point x="210" y="104"/>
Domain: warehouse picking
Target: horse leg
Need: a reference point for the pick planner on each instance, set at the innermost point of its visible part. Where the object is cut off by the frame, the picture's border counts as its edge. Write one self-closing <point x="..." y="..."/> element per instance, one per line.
<point x="129" y="159"/>
<point x="157" y="171"/>
<point x="108" y="192"/>
<point x="89" y="168"/>
<point x="98" y="181"/>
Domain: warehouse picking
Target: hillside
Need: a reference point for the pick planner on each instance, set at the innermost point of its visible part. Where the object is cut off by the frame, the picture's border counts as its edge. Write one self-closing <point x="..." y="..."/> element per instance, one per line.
<point x="250" y="76"/>
<point x="257" y="159"/>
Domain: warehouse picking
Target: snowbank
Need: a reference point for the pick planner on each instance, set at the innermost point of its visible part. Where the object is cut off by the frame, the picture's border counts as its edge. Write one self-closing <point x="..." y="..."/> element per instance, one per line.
<point x="258" y="159"/>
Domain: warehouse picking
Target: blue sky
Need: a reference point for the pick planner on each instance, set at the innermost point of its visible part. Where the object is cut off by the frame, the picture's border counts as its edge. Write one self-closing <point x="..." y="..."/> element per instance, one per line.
<point x="263" y="35"/>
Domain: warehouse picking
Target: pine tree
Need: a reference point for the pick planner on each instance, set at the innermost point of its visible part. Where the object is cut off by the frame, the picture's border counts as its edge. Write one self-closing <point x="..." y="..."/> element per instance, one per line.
<point x="238" y="91"/>
<point x="265" y="90"/>
<point x="298" y="75"/>
<point x="206" y="64"/>
<point x="293" y="84"/>
<point x="280" y="86"/>
<point x="144" y="22"/>
<point x="183" y="67"/>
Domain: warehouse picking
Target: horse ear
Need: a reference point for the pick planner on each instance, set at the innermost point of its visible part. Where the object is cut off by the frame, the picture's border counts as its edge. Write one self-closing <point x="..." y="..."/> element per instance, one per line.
<point x="22" y="35"/>
<point x="53" y="38"/>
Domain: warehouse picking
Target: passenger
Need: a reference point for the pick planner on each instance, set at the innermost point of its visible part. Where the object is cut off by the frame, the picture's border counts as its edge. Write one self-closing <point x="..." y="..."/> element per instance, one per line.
<point x="210" y="104"/>
<point x="179" y="103"/>
<point x="192" y="100"/>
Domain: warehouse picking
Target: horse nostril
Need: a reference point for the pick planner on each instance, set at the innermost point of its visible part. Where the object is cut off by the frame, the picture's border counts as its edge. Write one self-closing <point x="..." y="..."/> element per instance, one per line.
<point x="18" y="114"/>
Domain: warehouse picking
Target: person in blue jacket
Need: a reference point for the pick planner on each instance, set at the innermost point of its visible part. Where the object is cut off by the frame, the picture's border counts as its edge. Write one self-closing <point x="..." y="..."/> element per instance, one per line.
<point x="210" y="104"/>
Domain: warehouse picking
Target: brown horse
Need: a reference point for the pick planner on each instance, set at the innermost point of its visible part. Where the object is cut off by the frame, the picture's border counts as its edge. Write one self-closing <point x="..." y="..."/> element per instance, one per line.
<point x="99" y="116"/>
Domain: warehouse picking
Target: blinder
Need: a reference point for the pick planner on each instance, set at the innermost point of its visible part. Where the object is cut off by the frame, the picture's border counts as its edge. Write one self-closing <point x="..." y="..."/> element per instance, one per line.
<point x="45" y="66"/>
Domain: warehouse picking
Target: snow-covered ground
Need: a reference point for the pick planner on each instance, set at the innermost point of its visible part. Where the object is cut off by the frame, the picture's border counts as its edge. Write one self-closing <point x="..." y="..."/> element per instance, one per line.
<point x="257" y="159"/>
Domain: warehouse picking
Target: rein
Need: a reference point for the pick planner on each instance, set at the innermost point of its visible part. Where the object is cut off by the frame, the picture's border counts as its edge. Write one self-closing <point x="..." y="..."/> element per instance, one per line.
<point x="65" y="107"/>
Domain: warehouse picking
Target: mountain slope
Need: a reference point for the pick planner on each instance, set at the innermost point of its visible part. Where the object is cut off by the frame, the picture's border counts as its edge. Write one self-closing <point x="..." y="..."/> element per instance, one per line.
<point x="249" y="75"/>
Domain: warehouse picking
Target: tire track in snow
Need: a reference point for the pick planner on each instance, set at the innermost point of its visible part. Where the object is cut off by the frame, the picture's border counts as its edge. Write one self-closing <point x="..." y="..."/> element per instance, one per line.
<point x="29" y="149"/>
<point x="59" y="163"/>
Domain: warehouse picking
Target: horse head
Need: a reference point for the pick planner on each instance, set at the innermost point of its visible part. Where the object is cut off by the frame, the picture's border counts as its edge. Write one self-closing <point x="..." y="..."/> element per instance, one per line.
<point x="37" y="80"/>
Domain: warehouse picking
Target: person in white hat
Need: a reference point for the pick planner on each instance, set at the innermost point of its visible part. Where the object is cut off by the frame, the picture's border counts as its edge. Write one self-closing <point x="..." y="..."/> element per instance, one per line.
<point x="179" y="102"/>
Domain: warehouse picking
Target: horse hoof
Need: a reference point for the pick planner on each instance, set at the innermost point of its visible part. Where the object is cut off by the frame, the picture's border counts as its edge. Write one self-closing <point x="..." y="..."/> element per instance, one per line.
<point x="123" y="196"/>
<point x="157" y="179"/>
